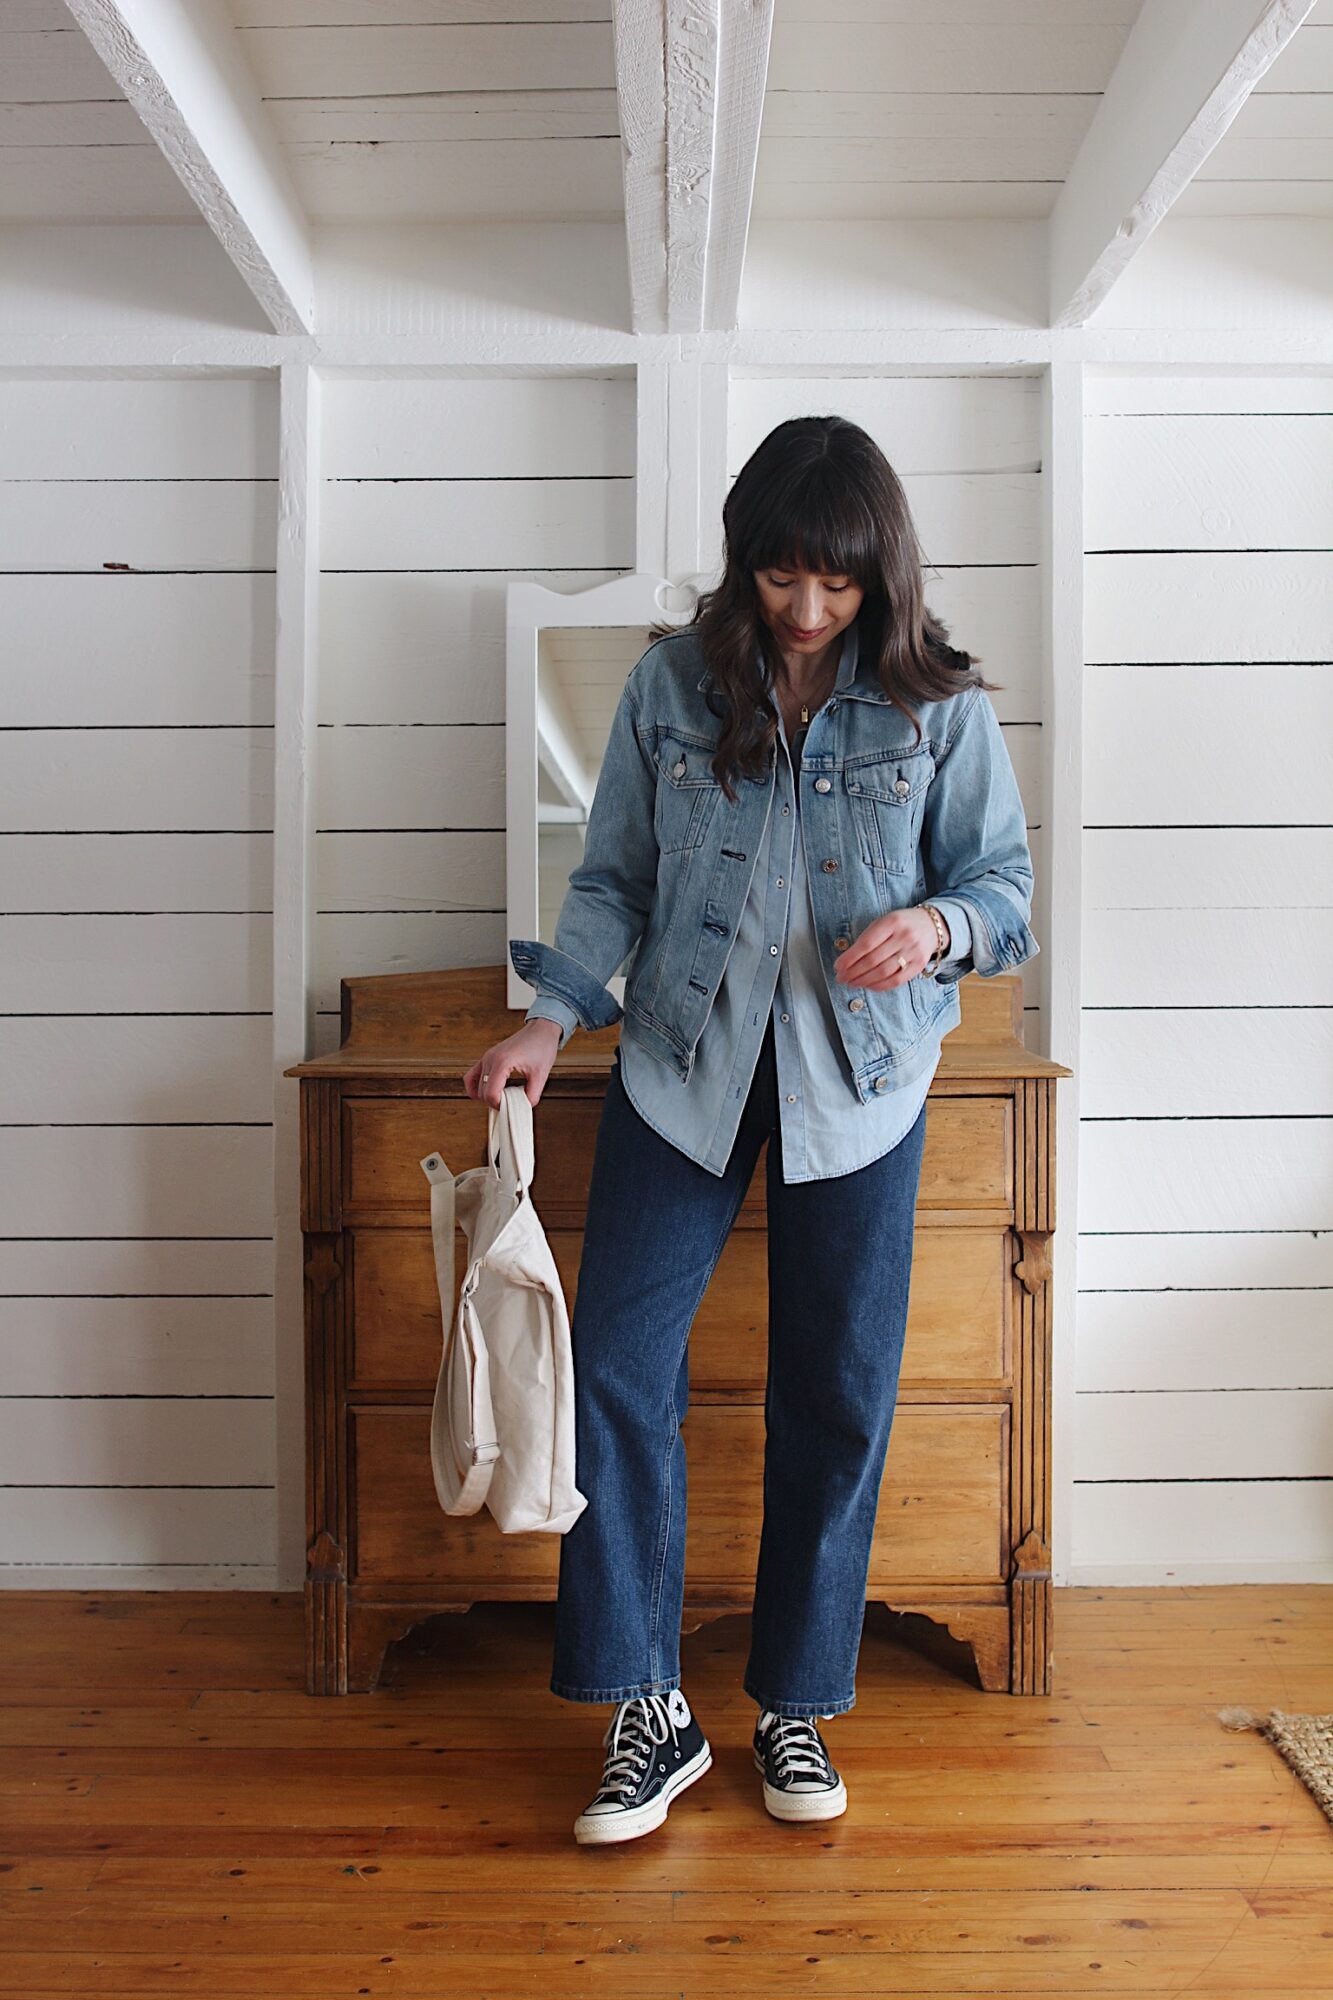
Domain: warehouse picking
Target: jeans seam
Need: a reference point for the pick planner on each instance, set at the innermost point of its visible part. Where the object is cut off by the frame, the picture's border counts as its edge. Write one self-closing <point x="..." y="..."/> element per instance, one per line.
<point x="802" y="1701"/>
<point x="571" y="1692"/>
<point x="659" y="1560"/>
<point x="659" y="1566"/>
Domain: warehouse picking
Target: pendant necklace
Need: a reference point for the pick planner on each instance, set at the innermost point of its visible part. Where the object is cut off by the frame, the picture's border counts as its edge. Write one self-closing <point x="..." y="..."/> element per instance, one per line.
<point x="805" y="706"/>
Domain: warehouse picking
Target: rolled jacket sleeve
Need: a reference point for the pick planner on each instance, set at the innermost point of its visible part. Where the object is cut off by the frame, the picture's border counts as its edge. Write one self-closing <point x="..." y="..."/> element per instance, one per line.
<point x="610" y="892"/>
<point x="975" y="846"/>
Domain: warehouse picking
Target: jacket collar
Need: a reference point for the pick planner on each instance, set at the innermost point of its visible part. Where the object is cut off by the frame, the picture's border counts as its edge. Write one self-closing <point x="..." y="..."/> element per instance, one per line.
<point x="856" y="677"/>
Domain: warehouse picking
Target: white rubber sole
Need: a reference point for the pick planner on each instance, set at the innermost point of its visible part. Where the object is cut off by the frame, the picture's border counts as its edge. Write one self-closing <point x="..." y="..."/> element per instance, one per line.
<point x="803" y="1805"/>
<point x="596" y="1829"/>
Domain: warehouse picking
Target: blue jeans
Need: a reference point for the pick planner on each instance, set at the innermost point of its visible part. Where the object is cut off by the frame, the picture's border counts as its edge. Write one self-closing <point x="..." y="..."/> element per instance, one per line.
<point x="839" y="1268"/>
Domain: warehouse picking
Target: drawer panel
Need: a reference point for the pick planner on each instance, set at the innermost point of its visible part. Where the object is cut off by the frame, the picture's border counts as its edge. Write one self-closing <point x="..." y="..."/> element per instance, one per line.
<point x="967" y="1161"/>
<point x="942" y="1516"/>
<point x="957" y="1322"/>
<point x="956" y="1315"/>
<point x="386" y="1139"/>
<point x="941" y="1510"/>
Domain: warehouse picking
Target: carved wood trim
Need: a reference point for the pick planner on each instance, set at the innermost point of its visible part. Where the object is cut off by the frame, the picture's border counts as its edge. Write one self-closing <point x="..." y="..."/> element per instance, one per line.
<point x="372" y="1629"/>
<point x="321" y="1153"/>
<point x="1033" y="1268"/>
<point x="323" y="1265"/>
<point x="983" y="1627"/>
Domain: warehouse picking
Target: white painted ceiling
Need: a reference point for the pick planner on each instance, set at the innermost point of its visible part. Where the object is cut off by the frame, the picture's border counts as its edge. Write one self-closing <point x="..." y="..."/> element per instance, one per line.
<point x="425" y="110"/>
<point x="879" y="108"/>
<point x="956" y="108"/>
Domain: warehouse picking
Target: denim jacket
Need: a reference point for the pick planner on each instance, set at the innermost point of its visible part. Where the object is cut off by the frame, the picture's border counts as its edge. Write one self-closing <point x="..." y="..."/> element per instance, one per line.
<point x="889" y="821"/>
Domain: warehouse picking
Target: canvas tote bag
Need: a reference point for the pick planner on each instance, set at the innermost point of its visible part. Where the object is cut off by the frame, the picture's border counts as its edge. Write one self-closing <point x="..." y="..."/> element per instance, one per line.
<point x="502" y="1424"/>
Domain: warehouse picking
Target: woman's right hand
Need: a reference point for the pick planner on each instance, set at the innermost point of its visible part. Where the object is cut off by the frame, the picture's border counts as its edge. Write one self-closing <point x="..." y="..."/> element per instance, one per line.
<point x="528" y="1053"/>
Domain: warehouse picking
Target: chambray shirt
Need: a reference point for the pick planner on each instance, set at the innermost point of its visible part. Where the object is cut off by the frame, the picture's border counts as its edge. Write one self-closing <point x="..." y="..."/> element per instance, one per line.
<point x="774" y="968"/>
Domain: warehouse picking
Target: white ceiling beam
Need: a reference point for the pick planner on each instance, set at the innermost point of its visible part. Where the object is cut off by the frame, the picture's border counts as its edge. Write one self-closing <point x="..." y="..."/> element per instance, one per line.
<point x="1184" y="73"/>
<point x="559" y="754"/>
<point x="179" y="64"/>
<point x="690" y="78"/>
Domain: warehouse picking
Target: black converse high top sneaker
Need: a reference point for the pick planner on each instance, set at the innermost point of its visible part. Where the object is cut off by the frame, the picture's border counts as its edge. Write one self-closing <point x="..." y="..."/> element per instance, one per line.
<point x="799" y="1779"/>
<point x="655" y="1748"/>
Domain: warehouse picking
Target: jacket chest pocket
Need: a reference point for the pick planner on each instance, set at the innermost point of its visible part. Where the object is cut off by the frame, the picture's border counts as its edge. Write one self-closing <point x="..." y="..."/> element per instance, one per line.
<point x="687" y="793"/>
<point x="887" y="797"/>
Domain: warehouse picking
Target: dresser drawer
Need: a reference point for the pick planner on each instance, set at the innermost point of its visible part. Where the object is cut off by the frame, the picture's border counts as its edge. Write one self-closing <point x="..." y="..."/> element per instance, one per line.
<point x="957" y="1321"/>
<point x="941" y="1515"/>
<point x="941" y="1509"/>
<point x="957" y="1315"/>
<point x="967" y="1161"/>
<point x="384" y="1141"/>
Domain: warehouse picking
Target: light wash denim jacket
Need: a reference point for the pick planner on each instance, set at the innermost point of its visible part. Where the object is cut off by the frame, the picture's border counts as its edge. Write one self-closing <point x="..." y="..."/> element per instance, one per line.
<point x="775" y="973"/>
<point x="889" y="821"/>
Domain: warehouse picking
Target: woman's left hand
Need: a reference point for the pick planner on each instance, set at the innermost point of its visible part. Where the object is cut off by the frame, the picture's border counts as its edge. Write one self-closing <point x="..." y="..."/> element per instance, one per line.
<point x="872" y="959"/>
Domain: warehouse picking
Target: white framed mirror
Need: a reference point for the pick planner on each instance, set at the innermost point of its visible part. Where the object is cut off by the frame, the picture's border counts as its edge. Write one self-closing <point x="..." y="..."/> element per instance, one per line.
<point x="567" y="659"/>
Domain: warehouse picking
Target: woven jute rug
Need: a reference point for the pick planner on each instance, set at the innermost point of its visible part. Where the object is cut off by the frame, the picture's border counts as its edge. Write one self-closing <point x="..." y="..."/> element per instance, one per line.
<point x="1306" y="1741"/>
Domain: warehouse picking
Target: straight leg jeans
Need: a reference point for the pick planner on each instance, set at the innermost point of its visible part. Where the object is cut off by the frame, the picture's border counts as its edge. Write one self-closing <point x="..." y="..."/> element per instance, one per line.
<point x="839" y="1267"/>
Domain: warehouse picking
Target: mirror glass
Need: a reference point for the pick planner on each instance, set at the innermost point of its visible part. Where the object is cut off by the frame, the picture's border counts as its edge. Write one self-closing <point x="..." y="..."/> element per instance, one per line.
<point x="581" y="672"/>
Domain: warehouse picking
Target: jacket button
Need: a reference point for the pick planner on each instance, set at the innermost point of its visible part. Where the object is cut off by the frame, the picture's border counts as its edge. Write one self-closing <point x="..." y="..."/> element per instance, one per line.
<point x="830" y="867"/>
<point x="841" y="943"/>
<point x="857" y="1004"/>
<point x="678" y="770"/>
<point x="902" y="786"/>
<point x="823" y="784"/>
<point x="881" y="1083"/>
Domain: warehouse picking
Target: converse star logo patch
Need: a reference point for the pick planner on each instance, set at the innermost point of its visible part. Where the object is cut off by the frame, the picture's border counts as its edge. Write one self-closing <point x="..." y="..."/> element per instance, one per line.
<point x="678" y="1708"/>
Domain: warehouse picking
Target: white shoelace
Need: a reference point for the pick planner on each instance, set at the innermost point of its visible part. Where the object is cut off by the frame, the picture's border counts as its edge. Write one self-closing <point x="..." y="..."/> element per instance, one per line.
<point x="631" y="1734"/>
<point x="797" y="1748"/>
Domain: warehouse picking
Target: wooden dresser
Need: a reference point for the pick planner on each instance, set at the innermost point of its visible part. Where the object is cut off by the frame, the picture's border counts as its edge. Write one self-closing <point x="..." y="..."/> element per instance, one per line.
<point x="963" y="1533"/>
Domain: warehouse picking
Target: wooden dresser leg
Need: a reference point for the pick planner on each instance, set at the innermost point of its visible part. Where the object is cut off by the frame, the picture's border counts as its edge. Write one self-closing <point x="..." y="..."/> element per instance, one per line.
<point x="325" y="1618"/>
<point x="1030" y="1618"/>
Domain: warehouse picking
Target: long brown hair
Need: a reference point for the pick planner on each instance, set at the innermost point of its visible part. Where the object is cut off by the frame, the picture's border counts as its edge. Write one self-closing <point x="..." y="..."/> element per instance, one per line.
<point x="818" y="494"/>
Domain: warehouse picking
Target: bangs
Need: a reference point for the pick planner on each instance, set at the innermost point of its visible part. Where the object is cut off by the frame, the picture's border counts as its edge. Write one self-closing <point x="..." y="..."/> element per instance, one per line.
<point x="818" y="527"/>
<point x="819" y="555"/>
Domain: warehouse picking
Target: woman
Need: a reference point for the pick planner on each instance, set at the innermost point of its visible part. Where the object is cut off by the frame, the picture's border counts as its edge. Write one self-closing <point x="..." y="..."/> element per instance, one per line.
<point x="806" y="829"/>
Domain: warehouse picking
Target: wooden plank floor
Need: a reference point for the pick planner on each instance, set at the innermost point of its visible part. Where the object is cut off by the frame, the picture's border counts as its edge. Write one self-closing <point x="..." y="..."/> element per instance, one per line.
<point x="181" y="1818"/>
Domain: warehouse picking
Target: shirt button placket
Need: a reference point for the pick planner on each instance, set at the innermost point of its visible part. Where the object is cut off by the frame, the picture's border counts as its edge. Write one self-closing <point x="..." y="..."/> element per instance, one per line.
<point x="784" y="883"/>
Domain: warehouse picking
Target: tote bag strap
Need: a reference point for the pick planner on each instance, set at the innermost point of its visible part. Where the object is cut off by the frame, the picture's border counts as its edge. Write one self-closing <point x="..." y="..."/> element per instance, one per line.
<point x="511" y="1147"/>
<point x="463" y="1444"/>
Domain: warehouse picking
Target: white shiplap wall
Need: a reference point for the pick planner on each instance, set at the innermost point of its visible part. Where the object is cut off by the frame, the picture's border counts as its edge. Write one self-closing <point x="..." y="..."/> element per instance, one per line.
<point x="967" y="449"/>
<point x="1203" y="1445"/>
<point x="136" y="572"/>
<point x="438" y="490"/>
<point x="137" y="1325"/>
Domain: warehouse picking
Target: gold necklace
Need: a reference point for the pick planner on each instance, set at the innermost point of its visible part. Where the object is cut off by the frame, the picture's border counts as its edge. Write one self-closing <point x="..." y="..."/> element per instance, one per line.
<point x="805" y="707"/>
